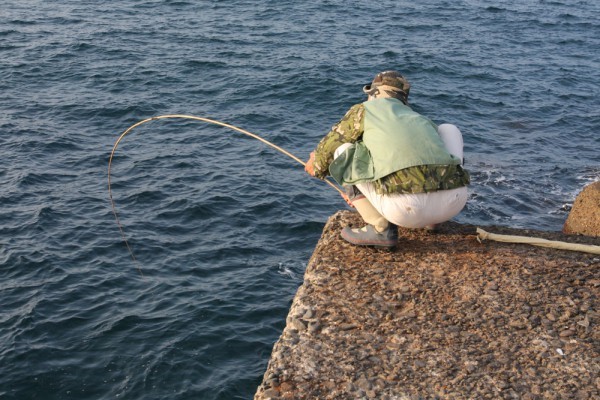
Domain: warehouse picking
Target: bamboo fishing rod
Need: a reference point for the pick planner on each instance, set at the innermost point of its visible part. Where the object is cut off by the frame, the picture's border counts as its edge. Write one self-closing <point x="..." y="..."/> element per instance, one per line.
<point x="192" y="117"/>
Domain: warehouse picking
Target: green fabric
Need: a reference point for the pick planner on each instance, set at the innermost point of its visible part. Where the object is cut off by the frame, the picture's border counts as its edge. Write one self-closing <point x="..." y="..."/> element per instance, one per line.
<point x="354" y="165"/>
<point x="398" y="138"/>
<point x="394" y="138"/>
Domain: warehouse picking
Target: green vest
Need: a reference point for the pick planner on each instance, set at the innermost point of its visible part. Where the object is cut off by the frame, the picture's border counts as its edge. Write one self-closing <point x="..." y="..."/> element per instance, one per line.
<point x="395" y="137"/>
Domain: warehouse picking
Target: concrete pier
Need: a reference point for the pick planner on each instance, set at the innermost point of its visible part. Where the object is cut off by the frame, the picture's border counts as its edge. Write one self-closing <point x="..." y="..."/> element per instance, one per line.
<point x="443" y="316"/>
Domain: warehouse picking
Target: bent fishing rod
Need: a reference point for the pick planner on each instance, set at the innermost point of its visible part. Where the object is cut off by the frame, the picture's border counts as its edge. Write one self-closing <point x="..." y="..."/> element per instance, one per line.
<point x="482" y="234"/>
<point x="191" y="117"/>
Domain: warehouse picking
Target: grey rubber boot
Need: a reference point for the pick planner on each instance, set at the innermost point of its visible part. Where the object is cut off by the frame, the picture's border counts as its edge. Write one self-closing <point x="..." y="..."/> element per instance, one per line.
<point x="368" y="236"/>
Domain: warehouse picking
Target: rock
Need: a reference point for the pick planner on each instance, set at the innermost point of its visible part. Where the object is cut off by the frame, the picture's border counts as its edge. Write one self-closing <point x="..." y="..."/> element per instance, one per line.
<point x="297" y="324"/>
<point x="363" y="383"/>
<point x="584" y="217"/>
<point x="270" y="394"/>
<point x="309" y="314"/>
<point x="313" y="327"/>
<point x="567" y="333"/>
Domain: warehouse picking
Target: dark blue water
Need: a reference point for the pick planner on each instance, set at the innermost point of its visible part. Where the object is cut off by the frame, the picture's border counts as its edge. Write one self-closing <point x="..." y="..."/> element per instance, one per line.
<point x="222" y="225"/>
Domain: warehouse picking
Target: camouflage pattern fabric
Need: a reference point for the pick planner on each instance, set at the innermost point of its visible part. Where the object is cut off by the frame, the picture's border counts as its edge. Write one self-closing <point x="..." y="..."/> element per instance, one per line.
<point x="389" y="84"/>
<point x="348" y="130"/>
<point x="391" y="78"/>
<point x="419" y="179"/>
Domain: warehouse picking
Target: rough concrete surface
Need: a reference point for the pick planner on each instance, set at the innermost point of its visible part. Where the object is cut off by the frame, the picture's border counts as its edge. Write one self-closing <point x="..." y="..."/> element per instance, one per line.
<point x="442" y="316"/>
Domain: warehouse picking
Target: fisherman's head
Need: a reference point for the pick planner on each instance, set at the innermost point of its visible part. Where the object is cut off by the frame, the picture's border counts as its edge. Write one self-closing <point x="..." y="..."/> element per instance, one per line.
<point x="388" y="84"/>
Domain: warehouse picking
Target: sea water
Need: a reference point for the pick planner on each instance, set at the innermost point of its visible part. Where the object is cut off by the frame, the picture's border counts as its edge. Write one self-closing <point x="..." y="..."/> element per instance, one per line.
<point x="221" y="225"/>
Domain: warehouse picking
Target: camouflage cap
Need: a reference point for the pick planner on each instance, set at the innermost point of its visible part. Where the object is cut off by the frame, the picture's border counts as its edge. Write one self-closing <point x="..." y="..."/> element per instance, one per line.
<point x="391" y="83"/>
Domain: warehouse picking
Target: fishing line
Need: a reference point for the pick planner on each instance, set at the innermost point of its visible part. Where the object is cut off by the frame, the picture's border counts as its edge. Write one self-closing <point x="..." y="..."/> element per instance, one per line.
<point x="192" y="117"/>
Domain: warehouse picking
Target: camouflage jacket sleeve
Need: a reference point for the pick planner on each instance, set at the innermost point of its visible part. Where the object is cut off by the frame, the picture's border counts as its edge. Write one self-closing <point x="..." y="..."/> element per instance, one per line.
<point x="348" y="130"/>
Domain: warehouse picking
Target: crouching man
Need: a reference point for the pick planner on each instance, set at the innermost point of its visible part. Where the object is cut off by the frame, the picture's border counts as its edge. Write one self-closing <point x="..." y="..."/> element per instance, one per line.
<point x="398" y="167"/>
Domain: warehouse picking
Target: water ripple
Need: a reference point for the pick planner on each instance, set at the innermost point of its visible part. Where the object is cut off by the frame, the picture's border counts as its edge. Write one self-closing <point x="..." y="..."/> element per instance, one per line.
<point x="222" y="226"/>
